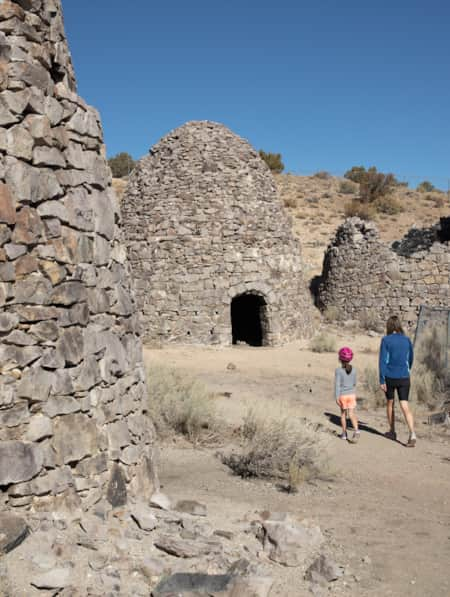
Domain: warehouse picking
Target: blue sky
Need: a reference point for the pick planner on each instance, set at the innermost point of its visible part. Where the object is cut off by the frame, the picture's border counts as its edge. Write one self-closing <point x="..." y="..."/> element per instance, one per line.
<point x="327" y="83"/>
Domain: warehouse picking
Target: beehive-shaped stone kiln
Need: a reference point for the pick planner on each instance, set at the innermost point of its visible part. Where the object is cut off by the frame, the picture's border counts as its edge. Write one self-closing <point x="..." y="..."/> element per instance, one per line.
<point x="211" y="247"/>
<point x="72" y="388"/>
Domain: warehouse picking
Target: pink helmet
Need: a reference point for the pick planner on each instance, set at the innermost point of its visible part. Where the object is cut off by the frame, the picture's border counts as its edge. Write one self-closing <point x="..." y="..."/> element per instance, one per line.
<point x="345" y="354"/>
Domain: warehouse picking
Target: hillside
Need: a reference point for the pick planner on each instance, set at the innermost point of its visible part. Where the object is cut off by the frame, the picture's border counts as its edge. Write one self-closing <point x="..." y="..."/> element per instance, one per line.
<point x="316" y="206"/>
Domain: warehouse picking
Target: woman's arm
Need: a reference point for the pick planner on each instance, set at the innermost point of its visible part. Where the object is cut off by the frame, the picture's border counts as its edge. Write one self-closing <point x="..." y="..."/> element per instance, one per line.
<point x="382" y="361"/>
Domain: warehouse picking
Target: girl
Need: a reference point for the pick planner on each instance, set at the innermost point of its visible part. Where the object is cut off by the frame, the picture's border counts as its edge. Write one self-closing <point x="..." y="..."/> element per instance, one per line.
<point x="344" y="389"/>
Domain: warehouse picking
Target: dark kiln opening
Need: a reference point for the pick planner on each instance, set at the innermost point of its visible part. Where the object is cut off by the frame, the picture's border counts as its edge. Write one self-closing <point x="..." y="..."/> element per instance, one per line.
<point x="248" y="319"/>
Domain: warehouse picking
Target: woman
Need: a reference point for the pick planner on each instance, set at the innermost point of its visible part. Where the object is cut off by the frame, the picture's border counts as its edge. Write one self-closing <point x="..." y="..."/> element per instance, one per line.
<point x="396" y="359"/>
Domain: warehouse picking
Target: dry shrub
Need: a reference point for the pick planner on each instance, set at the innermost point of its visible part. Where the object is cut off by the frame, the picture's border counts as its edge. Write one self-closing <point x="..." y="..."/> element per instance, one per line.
<point x="436" y="198"/>
<point x="290" y="202"/>
<point x="323" y="343"/>
<point x="347" y="187"/>
<point x="429" y="376"/>
<point x="280" y="449"/>
<point x="387" y="204"/>
<point x="180" y="404"/>
<point x="331" y="314"/>
<point x="370" y="320"/>
<point x="322" y="175"/>
<point x="371" y="383"/>
<point x="355" y="208"/>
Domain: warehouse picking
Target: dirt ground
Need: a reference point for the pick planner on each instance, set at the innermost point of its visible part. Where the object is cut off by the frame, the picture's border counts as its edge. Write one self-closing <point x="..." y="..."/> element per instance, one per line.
<point x="386" y="515"/>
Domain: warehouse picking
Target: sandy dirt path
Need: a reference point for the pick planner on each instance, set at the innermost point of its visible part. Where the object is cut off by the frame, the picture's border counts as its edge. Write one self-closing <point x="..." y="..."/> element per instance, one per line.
<point x="388" y="511"/>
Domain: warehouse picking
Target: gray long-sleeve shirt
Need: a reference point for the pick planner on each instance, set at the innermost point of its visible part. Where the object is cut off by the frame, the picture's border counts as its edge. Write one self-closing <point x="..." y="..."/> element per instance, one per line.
<point x="344" y="383"/>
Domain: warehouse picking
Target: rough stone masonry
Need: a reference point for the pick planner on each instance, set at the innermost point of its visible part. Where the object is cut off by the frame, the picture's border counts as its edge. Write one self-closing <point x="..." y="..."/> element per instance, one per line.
<point x="212" y="250"/>
<point x="72" y="389"/>
<point x="364" y="278"/>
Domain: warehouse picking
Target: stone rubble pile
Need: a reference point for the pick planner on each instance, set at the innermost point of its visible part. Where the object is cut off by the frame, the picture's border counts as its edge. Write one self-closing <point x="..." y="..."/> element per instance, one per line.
<point x="141" y="550"/>
<point x="366" y="279"/>
<point x="203" y="224"/>
<point x="72" y="388"/>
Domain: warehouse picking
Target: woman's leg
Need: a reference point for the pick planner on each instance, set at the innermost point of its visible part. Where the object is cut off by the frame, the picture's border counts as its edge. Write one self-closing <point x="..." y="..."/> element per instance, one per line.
<point x="408" y="415"/>
<point x="390" y="415"/>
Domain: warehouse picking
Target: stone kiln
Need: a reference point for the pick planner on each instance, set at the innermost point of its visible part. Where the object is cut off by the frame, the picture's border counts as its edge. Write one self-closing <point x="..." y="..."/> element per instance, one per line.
<point x="363" y="277"/>
<point x="72" y="389"/>
<point x="211" y="247"/>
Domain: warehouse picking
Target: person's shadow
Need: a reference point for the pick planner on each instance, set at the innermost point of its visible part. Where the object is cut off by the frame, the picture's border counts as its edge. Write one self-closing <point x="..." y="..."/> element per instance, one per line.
<point x="336" y="420"/>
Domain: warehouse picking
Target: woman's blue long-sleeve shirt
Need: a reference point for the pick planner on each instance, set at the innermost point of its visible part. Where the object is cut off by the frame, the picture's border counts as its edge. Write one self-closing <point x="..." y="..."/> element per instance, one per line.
<point x="396" y="357"/>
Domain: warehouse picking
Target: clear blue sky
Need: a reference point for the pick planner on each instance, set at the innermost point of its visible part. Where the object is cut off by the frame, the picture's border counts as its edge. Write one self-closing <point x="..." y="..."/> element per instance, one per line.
<point x="327" y="83"/>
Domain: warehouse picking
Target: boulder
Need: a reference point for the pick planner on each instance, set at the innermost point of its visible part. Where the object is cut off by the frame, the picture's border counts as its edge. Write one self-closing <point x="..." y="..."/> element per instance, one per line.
<point x="19" y="461"/>
<point x="290" y="543"/>
<point x="13" y="531"/>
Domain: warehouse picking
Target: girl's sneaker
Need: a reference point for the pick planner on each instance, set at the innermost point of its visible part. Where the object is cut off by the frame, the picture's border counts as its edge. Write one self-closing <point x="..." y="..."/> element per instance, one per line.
<point x="343" y="436"/>
<point x="411" y="441"/>
<point x="355" y="437"/>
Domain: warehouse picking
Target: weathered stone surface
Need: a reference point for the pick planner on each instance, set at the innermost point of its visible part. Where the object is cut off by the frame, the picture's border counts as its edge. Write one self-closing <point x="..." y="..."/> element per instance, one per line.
<point x="160" y="500"/>
<point x="144" y="517"/>
<point x="185" y="548"/>
<point x="58" y="578"/>
<point x="67" y="311"/>
<point x="75" y="436"/>
<point x="224" y="234"/>
<point x="117" y="488"/>
<point x="289" y="543"/>
<point x="323" y="570"/>
<point x="13" y="531"/>
<point x="19" y="461"/>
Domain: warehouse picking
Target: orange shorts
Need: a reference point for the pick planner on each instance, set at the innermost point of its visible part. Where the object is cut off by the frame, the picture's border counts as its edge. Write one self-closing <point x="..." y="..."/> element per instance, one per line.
<point x="346" y="402"/>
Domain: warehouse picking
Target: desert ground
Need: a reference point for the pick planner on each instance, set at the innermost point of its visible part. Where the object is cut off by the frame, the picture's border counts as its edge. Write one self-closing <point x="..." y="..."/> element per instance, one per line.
<point x="386" y="511"/>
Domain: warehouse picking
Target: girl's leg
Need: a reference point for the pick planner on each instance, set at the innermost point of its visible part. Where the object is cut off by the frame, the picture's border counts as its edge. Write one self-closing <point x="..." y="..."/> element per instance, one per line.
<point x="344" y="421"/>
<point x="353" y="418"/>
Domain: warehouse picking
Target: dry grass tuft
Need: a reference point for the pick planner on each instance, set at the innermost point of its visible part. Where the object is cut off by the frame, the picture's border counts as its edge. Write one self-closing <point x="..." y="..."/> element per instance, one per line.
<point x="429" y="376"/>
<point x="280" y="449"/>
<point x="331" y="314"/>
<point x="180" y="404"/>
<point x="323" y="343"/>
<point x="371" y="383"/>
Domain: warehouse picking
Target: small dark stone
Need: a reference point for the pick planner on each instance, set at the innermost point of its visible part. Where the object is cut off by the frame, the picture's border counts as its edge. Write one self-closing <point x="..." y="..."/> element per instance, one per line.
<point x="117" y="488"/>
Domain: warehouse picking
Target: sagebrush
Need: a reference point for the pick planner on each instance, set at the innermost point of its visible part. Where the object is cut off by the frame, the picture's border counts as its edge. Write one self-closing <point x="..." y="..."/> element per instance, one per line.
<point x="430" y="377"/>
<point x="323" y="343"/>
<point x="280" y="449"/>
<point x="180" y="404"/>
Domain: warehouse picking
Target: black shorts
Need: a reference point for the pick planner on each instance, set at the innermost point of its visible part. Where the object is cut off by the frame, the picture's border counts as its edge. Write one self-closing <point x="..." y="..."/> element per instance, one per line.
<point x="402" y="386"/>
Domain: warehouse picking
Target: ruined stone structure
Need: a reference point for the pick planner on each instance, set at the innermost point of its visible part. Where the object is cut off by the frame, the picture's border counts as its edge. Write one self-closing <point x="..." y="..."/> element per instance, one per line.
<point x="72" y="385"/>
<point x="362" y="276"/>
<point x="212" y="250"/>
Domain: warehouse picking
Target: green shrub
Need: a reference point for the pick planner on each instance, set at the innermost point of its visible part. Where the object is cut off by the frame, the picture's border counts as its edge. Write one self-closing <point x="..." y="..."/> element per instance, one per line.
<point x="373" y="184"/>
<point x="180" y="404"/>
<point x="425" y="187"/>
<point x="347" y="187"/>
<point x="121" y="164"/>
<point x="323" y="343"/>
<point x="322" y="175"/>
<point x="273" y="160"/>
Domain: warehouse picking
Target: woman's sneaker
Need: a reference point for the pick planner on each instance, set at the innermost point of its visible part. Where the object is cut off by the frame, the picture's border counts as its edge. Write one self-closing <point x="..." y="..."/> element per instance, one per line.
<point x="411" y="441"/>
<point x="391" y="435"/>
<point x="343" y="436"/>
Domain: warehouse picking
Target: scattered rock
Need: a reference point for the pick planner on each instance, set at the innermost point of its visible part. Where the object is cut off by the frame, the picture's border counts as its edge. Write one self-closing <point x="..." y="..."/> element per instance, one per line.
<point x="144" y="517"/>
<point x="323" y="570"/>
<point x="191" y="507"/>
<point x="13" y="531"/>
<point x="231" y="367"/>
<point x="160" y="500"/>
<point x="58" y="578"/>
<point x="288" y="543"/>
<point x="185" y="548"/>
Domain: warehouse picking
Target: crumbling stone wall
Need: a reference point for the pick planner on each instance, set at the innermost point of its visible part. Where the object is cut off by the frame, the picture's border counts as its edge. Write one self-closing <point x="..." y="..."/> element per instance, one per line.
<point x="363" y="277"/>
<point x="72" y="390"/>
<point x="204" y="224"/>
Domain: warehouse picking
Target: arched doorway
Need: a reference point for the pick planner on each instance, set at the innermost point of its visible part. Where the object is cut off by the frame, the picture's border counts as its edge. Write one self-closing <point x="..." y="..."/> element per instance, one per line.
<point x="248" y="319"/>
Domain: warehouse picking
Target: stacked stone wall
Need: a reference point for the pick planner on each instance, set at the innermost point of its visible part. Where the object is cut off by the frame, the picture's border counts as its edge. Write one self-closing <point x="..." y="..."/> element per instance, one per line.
<point x="365" y="279"/>
<point x="204" y="224"/>
<point x="72" y="389"/>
